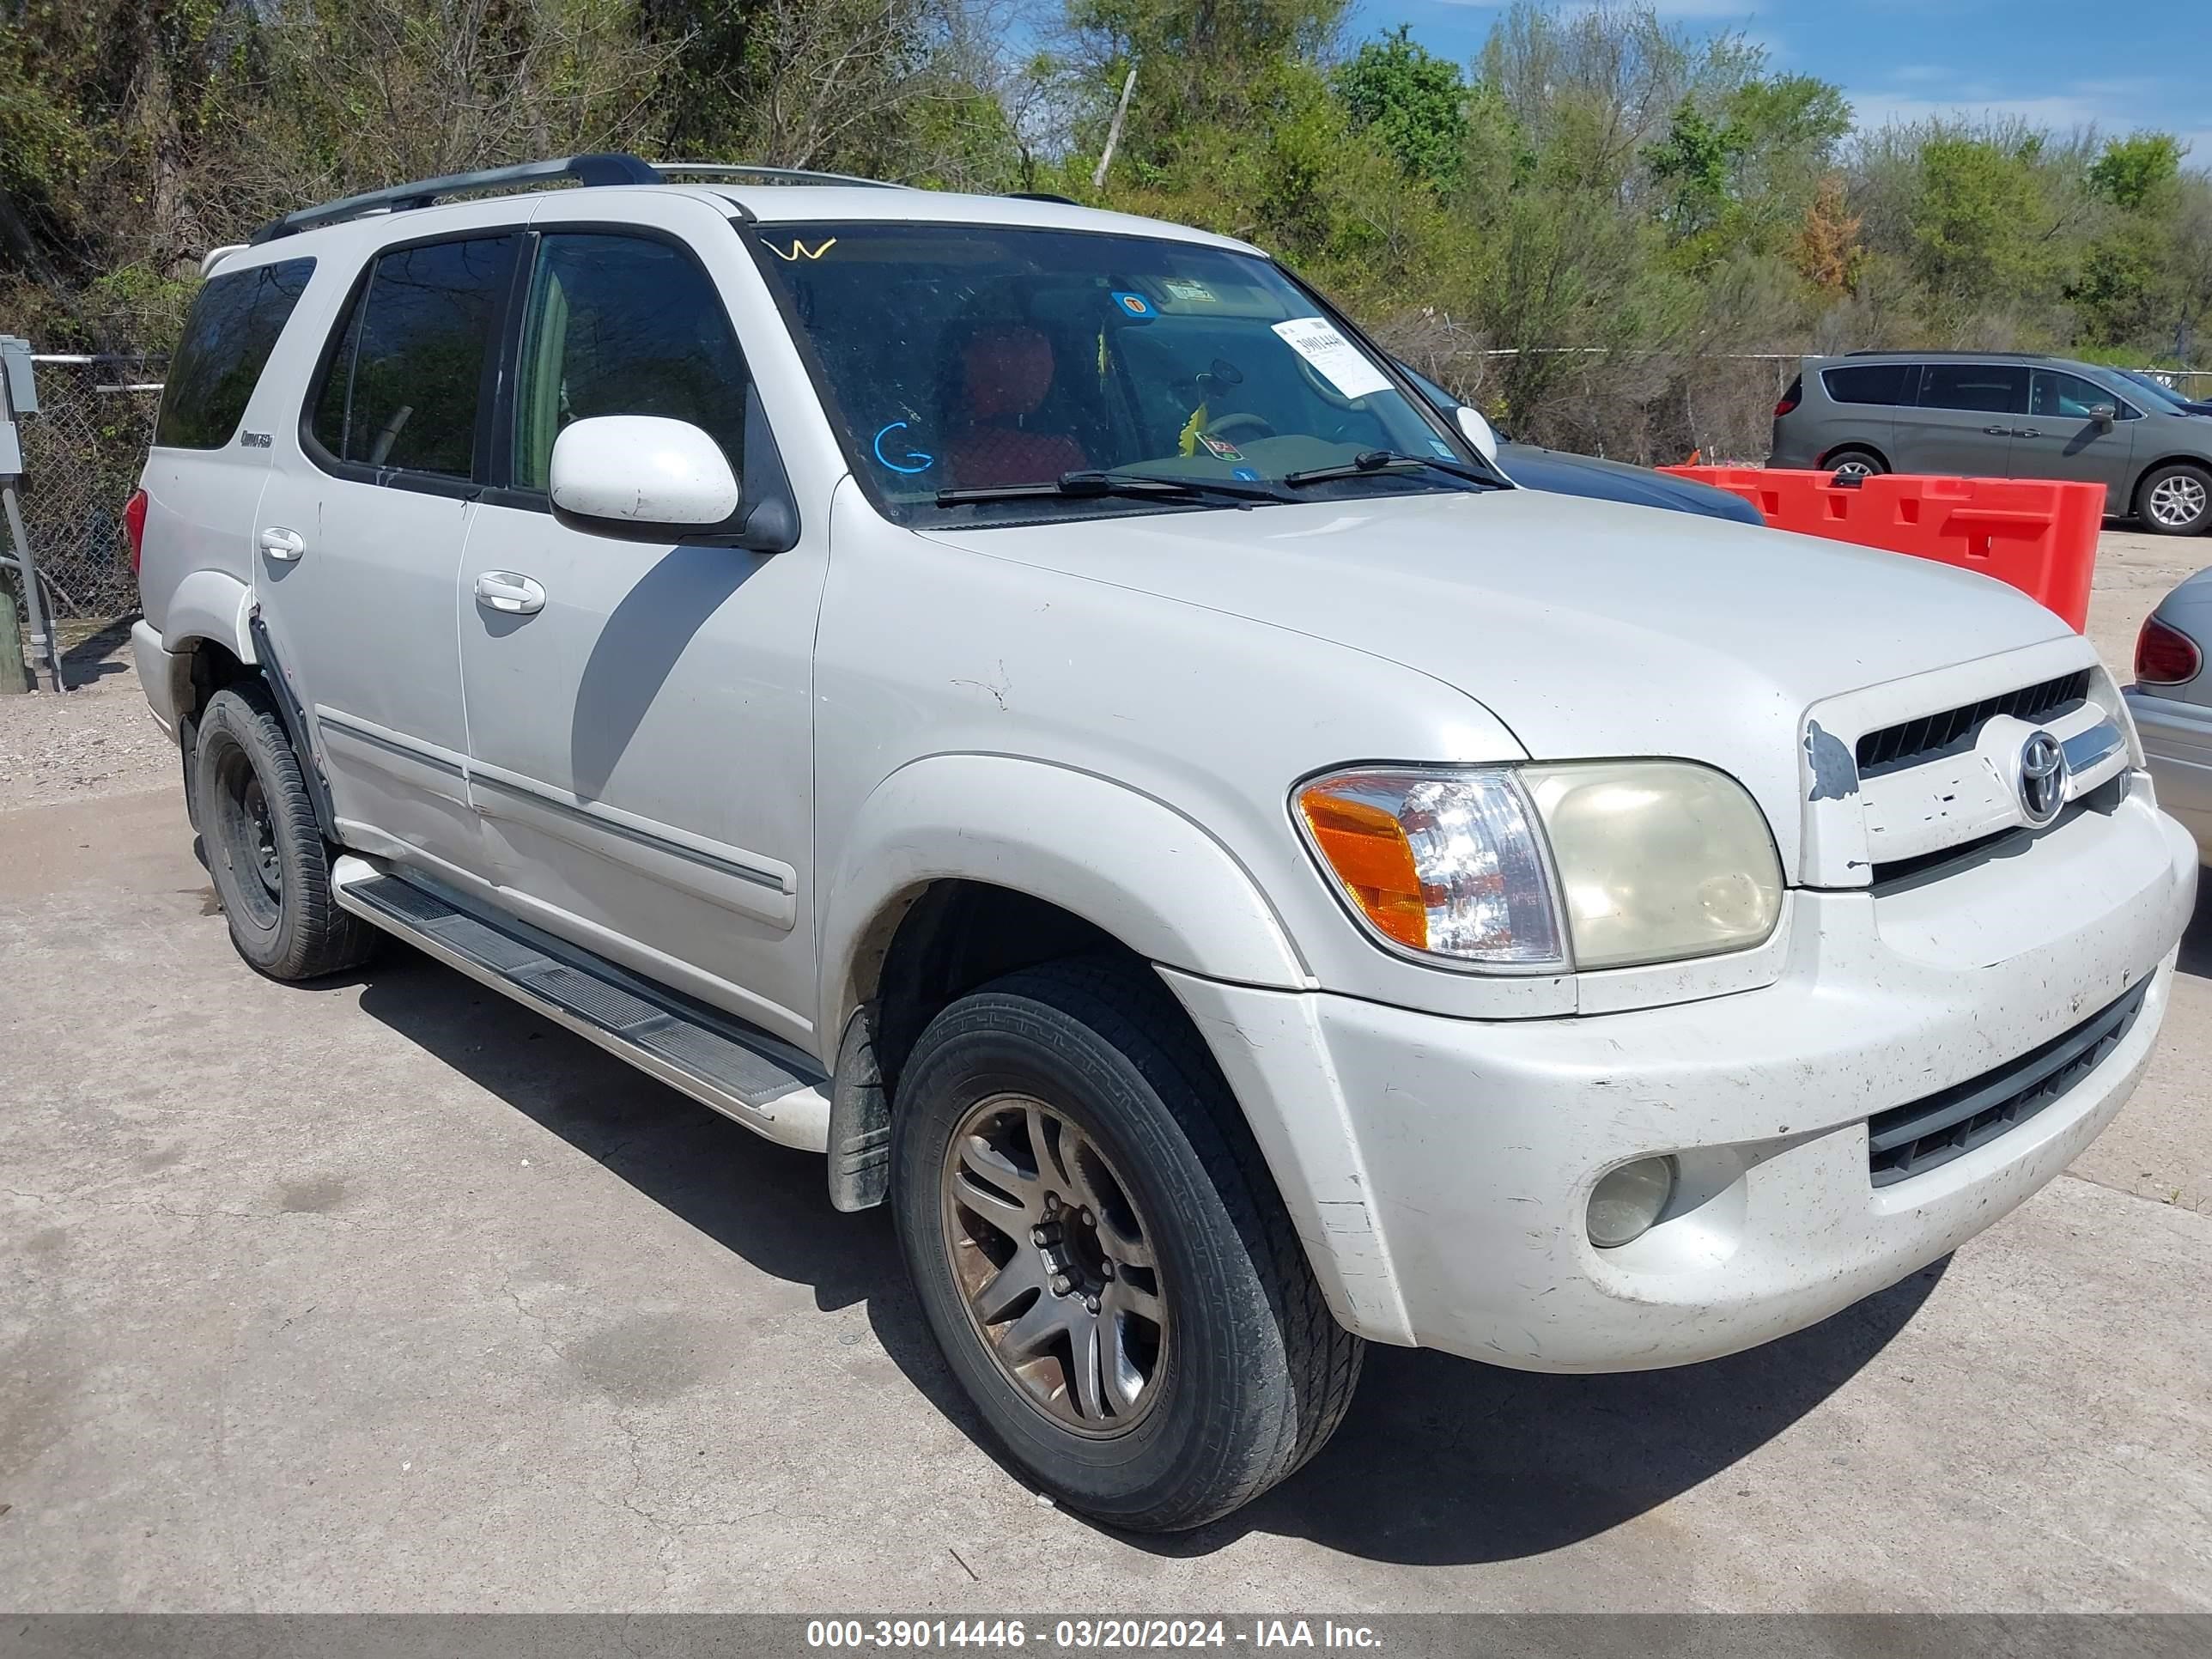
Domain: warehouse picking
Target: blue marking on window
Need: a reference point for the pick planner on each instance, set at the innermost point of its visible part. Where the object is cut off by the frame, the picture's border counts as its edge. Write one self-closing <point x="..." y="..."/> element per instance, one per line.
<point x="913" y="460"/>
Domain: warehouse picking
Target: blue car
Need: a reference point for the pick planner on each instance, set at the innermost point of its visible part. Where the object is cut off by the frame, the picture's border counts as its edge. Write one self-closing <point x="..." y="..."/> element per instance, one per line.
<point x="1562" y="474"/>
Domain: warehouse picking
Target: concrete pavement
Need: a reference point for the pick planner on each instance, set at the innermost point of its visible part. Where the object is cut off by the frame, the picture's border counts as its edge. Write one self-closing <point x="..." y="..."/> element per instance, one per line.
<point x="388" y="1295"/>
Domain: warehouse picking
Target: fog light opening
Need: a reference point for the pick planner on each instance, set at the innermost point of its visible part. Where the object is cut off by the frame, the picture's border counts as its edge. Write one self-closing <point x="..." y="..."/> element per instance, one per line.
<point x="1627" y="1201"/>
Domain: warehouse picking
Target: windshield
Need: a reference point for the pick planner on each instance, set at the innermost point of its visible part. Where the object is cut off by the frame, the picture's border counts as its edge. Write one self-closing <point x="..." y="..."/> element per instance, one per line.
<point x="2163" y="394"/>
<point x="960" y="359"/>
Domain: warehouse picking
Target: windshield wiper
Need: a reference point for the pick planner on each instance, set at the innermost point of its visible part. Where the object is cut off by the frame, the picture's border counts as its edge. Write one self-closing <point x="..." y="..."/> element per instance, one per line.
<point x="1079" y="485"/>
<point x="1390" y="460"/>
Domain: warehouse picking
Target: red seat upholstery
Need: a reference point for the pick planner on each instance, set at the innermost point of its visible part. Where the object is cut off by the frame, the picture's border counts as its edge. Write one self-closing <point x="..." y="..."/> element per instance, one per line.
<point x="1005" y="372"/>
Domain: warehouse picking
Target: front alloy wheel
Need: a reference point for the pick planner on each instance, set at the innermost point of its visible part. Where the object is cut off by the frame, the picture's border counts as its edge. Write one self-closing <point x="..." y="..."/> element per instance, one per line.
<point x="1056" y="1264"/>
<point x="2176" y="501"/>
<point x="1101" y="1254"/>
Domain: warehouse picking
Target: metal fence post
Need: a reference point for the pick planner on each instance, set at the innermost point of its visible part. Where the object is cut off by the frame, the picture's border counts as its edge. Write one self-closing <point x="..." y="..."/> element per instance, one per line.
<point x="15" y="370"/>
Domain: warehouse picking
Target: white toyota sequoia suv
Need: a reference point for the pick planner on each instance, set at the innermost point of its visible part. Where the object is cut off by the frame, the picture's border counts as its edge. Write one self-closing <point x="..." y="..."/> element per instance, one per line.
<point x="1032" y="703"/>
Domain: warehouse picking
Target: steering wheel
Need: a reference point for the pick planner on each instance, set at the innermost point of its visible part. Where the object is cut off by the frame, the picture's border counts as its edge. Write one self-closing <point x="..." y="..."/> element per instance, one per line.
<point x="1238" y="421"/>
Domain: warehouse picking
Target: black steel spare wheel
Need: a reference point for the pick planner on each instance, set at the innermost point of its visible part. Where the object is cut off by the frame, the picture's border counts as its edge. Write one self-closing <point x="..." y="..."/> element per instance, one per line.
<point x="264" y="849"/>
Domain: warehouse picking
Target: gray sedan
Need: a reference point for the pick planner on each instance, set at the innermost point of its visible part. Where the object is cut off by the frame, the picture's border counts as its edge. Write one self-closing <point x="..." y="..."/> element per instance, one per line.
<point x="2171" y="702"/>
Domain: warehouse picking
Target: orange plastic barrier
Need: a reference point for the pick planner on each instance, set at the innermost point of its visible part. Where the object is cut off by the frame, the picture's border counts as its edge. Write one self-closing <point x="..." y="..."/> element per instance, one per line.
<point x="2040" y="536"/>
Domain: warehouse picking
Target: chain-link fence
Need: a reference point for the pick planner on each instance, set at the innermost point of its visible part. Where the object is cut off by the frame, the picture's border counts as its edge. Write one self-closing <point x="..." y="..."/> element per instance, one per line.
<point x="82" y="452"/>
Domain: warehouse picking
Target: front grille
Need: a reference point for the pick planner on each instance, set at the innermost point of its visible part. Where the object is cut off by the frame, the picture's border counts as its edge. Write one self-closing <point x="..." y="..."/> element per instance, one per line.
<point x="1914" y="1139"/>
<point x="1913" y="741"/>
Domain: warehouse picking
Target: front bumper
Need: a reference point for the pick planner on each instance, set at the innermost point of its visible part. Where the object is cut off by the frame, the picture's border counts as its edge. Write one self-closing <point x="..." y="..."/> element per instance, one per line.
<point x="1440" y="1169"/>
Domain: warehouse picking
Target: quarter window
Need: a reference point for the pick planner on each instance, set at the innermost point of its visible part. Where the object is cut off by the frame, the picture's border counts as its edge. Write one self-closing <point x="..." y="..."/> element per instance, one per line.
<point x="403" y="387"/>
<point x="1989" y="388"/>
<point x="233" y="327"/>
<point x="623" y="326"/>
<point x="1867" y="383"/>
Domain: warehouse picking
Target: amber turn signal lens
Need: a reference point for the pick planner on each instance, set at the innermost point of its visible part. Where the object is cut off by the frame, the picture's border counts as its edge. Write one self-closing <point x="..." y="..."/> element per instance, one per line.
<point x="1367" y="848"/>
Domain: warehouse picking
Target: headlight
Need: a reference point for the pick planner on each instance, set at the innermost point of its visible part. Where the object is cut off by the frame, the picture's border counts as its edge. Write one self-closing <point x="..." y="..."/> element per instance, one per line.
<point x="1446" y="862"/>
<point x="1631" y="861"/>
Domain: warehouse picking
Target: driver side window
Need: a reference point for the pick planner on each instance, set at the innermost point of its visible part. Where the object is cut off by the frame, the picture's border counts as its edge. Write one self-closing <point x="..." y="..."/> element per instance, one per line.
<point x="2069" y="397"/>
<point x="622" y="325"/>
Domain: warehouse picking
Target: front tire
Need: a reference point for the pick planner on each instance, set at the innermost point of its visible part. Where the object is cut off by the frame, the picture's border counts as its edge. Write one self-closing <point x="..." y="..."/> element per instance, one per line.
<point x="264" y="849"/>
<point x="2175" y="499"/>
<point x="1101" y="1255"/>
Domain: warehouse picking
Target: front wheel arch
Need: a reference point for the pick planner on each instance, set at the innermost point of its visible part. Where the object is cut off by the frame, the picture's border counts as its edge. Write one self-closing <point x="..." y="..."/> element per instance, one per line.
<point x="2149" y="479"/>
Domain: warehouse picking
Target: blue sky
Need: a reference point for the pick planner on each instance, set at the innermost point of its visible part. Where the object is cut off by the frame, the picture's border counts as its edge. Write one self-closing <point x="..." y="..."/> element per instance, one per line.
<point x="2122" y="64"/>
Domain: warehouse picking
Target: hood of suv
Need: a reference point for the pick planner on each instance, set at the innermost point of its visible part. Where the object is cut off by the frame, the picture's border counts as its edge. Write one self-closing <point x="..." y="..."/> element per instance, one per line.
<point x="1588" y="628"/>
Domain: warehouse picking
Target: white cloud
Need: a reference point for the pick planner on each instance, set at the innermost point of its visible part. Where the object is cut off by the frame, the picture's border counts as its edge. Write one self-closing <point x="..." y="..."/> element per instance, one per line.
<point x="2113" y="108"/>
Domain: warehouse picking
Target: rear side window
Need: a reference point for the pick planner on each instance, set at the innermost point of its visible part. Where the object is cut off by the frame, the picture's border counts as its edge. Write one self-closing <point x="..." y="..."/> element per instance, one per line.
<point x="403" y="387"/>
<point x="1867" y="383"/>
<point x="1988" y="388"/>
<point x="229" y="336"/>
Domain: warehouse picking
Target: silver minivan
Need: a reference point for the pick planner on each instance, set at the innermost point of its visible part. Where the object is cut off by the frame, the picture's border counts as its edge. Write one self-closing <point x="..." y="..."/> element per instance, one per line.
<point x="1998" y="415"/>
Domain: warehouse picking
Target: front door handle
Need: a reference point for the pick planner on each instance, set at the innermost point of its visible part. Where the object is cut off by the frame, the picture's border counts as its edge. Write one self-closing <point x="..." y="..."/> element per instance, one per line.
<point x="2026" y="432"/>
<point x="282" y="545"/>
<point x="509" y="593"/>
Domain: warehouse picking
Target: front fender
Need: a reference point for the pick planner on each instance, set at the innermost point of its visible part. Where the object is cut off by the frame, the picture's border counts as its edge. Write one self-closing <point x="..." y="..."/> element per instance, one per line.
<point x="1128" y="864"/>
<point x="1159" y="883"/>
<point x="210" y="604"/>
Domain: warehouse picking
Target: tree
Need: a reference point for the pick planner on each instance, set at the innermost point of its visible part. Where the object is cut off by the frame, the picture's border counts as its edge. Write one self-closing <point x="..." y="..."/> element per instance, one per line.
<point x="1827" y="253"/>
<point x="2133" y="170"/>
<point x="1415" y="103"/>
<point x="1978" y="225"/>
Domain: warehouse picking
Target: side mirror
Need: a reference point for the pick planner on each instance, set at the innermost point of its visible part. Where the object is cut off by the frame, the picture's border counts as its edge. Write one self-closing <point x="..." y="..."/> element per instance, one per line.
<point x="637" y="471"/>
<point x="1477" y="432"/>
<point x="2104" y="414"/>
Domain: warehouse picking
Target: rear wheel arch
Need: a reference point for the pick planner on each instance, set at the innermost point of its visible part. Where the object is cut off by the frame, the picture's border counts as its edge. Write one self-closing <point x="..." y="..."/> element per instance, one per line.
<point x="203" y="667"/>
<point x="1828" y="456"/>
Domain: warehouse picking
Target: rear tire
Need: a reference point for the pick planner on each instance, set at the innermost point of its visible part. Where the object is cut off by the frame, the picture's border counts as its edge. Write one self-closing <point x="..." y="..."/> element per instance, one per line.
<point x="1855" y="464"/>
<point x="2175" y="499"/>
<point x="1078" y="1092"/>
<point x="264" y="849"/>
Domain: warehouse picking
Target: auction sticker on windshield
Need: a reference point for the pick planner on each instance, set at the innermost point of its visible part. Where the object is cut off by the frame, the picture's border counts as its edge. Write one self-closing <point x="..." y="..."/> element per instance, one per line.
<point x="1334" y="358"/>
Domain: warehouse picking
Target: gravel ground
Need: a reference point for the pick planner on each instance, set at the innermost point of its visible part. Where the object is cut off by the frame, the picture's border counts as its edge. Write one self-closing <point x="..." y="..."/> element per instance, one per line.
<point x="96" y="741"/>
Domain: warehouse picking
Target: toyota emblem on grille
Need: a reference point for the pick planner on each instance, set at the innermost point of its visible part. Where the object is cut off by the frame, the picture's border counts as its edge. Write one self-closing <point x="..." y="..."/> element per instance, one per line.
<point x="2042" y="777"/>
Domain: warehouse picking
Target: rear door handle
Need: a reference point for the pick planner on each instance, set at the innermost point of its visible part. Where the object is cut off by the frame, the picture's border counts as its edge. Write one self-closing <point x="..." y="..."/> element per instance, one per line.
<point x="1998" y="431"/>
<point x="283" y="545"/>
<point x="509" y="592"/>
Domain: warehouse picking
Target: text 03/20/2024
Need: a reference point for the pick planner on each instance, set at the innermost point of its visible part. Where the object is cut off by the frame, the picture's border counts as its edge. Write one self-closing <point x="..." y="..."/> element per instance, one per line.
<point x="1087" y="1634"/>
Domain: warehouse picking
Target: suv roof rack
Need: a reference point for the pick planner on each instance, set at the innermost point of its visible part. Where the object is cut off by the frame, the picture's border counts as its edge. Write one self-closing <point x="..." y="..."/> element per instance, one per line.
<point x="1910" y="351"/>
<point x="767" y="175"/>
<point x="613" y="168"/>
<point x="610" y="167"/>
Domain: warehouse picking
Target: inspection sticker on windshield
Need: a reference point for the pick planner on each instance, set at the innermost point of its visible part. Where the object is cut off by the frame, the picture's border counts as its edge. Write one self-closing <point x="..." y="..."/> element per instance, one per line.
<point x="1187" y="288"/>
<point x="1334" y="358"/>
